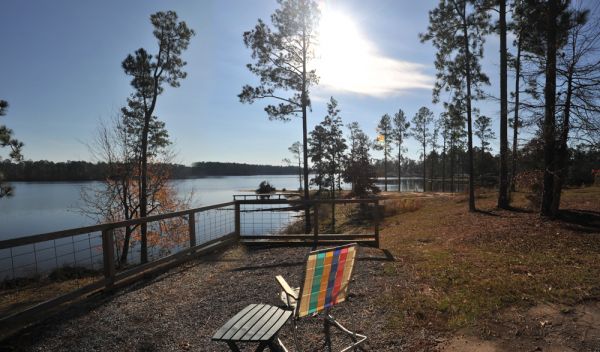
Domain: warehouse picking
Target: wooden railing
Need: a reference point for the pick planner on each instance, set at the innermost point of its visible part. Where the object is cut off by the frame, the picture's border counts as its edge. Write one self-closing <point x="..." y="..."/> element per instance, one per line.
<point x="111" y="276"/>
<point x="271" y="233"/>
<point x="208" y="228"/>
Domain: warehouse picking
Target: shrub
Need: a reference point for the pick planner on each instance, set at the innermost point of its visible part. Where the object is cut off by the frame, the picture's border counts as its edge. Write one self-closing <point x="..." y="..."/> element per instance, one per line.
<point x="265" y="187"/>
<point x="532" y="182"/>
<point x="393" y="207"/>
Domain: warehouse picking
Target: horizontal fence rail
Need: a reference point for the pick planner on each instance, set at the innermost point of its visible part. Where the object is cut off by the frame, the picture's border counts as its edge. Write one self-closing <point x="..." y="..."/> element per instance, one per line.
<point x="267" y="221"/>
<point x="40" y="272"/>
<point x="43" y="271"/>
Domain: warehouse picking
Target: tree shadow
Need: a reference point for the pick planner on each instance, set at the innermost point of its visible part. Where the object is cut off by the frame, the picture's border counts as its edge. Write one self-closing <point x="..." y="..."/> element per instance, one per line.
<point x="485" y="212"/>
<point x="581" y="220"/>
<point x="519" y="210"/>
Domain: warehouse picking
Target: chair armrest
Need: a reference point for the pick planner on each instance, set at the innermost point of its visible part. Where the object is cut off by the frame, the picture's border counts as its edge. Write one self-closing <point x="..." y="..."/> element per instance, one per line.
<point x="286" y="288"/>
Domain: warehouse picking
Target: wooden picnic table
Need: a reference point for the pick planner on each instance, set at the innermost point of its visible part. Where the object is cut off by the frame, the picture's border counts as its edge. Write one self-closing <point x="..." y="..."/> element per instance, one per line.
<point x="258" y="323"/>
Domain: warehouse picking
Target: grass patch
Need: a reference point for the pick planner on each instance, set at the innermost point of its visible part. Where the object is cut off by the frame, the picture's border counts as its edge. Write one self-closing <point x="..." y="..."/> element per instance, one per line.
<point x="464" y="268"/>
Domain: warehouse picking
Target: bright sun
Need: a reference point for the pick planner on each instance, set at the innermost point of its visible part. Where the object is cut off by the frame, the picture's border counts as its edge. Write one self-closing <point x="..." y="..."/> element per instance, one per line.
<point x="347" y="61"/>
<point x="341" y="52"/>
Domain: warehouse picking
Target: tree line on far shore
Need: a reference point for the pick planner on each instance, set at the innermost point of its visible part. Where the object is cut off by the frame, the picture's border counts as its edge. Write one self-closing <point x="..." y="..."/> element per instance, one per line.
<point x="44" y="170"/>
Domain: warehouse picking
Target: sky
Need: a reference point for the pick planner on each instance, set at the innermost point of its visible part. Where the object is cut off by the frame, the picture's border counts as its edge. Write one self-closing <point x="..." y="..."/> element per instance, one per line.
<point x="60" y="71"/>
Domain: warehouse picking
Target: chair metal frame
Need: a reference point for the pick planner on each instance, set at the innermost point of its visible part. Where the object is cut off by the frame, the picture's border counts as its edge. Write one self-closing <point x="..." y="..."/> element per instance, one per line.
<point x="293" y="299"/>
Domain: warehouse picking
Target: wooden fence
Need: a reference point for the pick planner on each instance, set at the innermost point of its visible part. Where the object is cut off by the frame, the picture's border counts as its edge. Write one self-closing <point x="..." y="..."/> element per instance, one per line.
<point x="208" y="228"/>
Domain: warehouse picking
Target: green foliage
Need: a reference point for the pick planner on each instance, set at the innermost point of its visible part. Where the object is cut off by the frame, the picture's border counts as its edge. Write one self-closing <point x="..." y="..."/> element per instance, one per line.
<point x="400" y="131"/>
<point x="265" y="187"/>
<point x="281" y="56"/>
<point x="384" y="142"/>
<point x="6" y="141"/>
<point x="327" y="147"/>
<point x="149" y="74"/>
<point x="296" y="150"/>
<point x="358" y="169"/>
<point x="420" y="127"/>
<point x="483" y="130"/>
<point x="420" y="132"/>
<point x="450" y="24"/>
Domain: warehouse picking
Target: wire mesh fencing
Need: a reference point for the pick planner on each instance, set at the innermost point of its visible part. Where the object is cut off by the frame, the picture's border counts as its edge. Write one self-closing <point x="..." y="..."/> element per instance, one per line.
<point x="264" y="218"/>
<point x="41" y="268"/>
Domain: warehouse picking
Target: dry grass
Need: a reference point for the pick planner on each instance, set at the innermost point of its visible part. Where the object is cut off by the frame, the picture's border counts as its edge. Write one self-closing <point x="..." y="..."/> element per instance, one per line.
<point x="468" y="267"/>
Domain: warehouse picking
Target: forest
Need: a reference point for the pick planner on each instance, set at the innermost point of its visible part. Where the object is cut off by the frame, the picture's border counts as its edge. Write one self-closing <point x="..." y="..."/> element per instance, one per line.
<point x="44" y="170"/>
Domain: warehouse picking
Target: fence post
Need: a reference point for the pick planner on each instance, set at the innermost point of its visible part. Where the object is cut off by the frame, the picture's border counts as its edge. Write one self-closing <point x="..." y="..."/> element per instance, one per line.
<point x="316" y="225"/>
<point x="192" y="228"/>
<point x="108" y="256"/>
<point x="376" y="218"/>
<point x="237" y="220"/>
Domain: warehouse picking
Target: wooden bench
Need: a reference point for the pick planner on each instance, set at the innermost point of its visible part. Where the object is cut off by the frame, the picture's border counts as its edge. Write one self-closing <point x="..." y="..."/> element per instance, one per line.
<point x="258" y="323"/>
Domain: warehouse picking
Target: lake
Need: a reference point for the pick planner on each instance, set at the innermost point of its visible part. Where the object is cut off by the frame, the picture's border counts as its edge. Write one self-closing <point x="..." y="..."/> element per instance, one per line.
<point x="39" y="207"/>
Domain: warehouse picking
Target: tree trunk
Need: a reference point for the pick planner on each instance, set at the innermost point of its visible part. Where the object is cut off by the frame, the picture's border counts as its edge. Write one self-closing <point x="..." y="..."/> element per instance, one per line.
<point x="469" y="128"/>
<point x="299" y="172"/>
<point x="424" y="165"/>
<point x="431" y="169"/>
<point x="452" y="157"/>
<point x="333" y="198"/>
<point x="550" y="108"/>
<point x="503" y="190"/>
<point x="400" y="166"/>
<point x="385" y="164"/>
<point x="144" y="192"/>
<point x="516" y="118"/>
<point x="481" y="165"/>
<point x="444" y="167"/>
<point x="563" y="151"/>
<point x="304" y="99"/>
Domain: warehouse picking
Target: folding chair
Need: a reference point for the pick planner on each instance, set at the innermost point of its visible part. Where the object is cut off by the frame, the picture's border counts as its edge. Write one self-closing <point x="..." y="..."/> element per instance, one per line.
<point x="326" y="280"/>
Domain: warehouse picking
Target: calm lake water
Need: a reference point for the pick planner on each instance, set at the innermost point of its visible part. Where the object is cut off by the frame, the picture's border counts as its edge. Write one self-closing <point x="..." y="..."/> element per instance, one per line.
<point x="39" y="207"/>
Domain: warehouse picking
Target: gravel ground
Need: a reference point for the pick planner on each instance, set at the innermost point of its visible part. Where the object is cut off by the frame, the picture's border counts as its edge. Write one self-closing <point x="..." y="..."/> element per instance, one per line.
<point x="181" y="309"/>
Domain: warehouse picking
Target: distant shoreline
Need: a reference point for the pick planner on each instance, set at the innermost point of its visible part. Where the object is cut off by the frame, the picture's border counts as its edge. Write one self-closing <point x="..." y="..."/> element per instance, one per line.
<point x="76" y="171"/>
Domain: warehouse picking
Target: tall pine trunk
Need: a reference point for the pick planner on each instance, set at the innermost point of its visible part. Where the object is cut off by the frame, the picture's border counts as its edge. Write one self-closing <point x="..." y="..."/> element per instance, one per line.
<point x="424" y="164"/>
<point x="469" y="119"/>
<point x="503" y="190"/>
<point x="385" y="163"/>
<point x="516" y="118"/>
<point x="444" y="167"/>
<point x="144" y="191"/>
<point x="550" y="109"/>
<point x="563" y="150"/>
<point x="307" y="225"/>
<point x="400" y="166"/>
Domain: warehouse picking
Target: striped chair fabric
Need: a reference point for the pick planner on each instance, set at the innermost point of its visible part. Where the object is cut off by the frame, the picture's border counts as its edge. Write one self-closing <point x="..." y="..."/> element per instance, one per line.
<point x="326" y="279"/>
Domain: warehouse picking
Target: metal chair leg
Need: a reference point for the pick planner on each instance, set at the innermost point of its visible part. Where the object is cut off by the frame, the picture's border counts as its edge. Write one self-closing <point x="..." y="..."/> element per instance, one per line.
<point x="327" y="332"/>
<point x="295" y="333"/>
<point x="356" y="338"/>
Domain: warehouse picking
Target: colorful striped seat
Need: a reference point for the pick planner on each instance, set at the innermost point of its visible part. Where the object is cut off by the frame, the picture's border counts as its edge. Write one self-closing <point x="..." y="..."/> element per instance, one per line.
<point x="326" y="279"/>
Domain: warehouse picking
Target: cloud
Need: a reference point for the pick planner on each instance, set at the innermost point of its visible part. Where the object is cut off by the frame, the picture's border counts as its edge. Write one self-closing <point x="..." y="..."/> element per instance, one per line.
<point x="347" y="62"/>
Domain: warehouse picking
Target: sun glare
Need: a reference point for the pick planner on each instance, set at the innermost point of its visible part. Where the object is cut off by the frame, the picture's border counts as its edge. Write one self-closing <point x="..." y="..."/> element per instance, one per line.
<point x="347" y="61"/>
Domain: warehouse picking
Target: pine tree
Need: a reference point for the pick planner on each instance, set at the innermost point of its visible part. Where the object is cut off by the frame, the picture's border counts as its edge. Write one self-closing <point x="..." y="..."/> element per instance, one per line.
<point x="149" y="75"/>
<point x="282" y="56"/>
<point x="420" y="132"/>
<point x="383" y="142"/>
<point x="457" y="30"/>
<point x="400" y="133"/>
<point x="359" y="170"/>
<point x="296" y="150"/>
<point x="484" y="132"/>
<point x="6" y="140"/>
